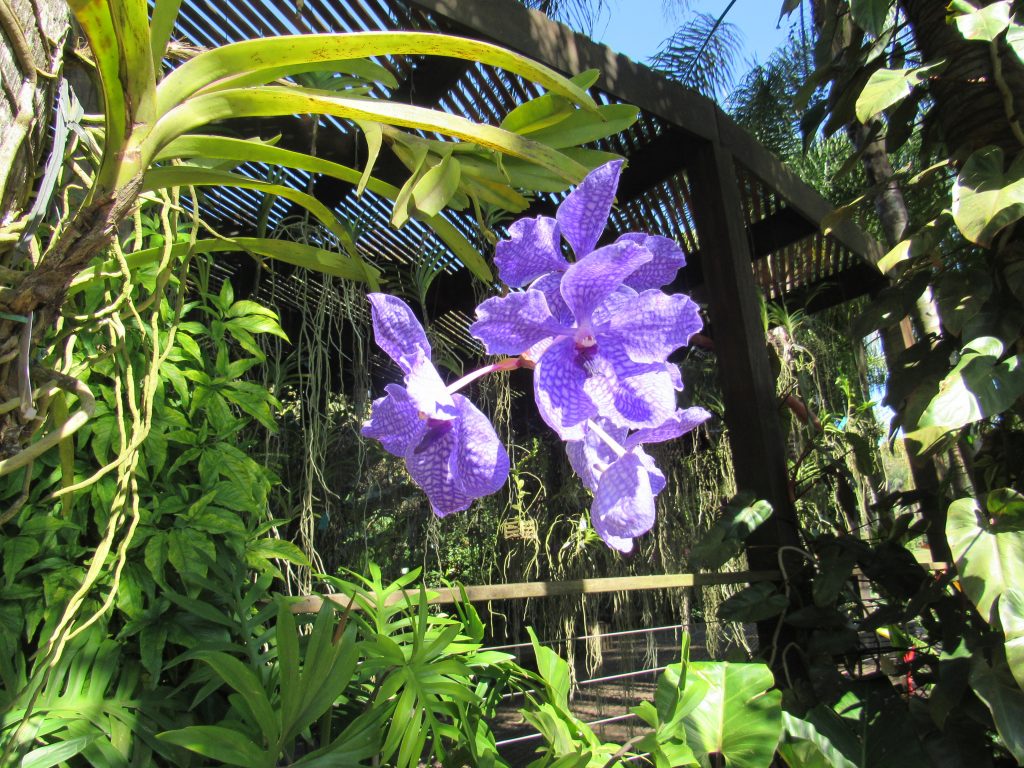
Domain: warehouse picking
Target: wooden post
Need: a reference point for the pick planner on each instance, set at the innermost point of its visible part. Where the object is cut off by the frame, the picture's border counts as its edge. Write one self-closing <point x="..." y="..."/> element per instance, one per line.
<point x="745" y="374"/>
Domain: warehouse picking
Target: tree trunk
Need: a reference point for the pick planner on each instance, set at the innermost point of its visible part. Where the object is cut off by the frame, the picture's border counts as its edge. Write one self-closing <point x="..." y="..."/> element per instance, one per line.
<point x="969" y="112"/>
<point x="894" y="216"/>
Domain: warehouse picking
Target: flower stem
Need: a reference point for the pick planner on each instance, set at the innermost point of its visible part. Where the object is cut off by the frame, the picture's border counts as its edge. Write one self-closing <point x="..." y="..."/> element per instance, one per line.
<point x="609" y="440"/>
<point x="508" y="364"/>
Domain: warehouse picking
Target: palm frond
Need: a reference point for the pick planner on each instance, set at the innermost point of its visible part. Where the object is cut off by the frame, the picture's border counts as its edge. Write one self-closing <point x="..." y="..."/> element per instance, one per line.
<point x="701" y="54"/>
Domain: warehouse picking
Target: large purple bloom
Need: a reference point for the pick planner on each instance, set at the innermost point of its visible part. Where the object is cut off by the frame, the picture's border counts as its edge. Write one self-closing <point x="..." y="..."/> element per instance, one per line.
<point x="622" y="476"/>
<point x="601" y="346"/>
<point x="449" y="447"/>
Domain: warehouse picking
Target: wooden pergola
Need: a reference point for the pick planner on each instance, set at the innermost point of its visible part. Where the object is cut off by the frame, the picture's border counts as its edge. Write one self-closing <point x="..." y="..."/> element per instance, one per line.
<point x="748" y="223"/>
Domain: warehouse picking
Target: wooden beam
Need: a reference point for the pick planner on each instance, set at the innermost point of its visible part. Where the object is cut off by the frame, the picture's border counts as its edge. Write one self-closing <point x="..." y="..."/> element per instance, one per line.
<point x="532" y="589"/>
<point x="697" y="117"/>
<point x="745" y="374"/>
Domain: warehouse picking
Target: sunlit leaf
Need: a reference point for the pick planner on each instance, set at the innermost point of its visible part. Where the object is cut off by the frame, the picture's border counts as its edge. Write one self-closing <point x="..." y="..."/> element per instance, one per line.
<point x="989" y="560"/>
<point x="986" y="196"/>
<point x="886" y="87"/>
<point x="985" y="23"/>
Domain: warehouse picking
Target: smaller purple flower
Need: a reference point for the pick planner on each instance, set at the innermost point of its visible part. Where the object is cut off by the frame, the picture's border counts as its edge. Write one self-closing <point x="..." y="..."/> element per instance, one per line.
<point x="450" y="448"/>
<point x="622" y="476"/>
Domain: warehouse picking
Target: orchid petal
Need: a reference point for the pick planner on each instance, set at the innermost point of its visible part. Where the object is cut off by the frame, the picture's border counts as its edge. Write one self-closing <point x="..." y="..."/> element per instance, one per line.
<point x="394" y="421"/>
<point x="427" y="390"/>
<point x="481" y="463"/>
<point x="431" y="469"/>
<point x="508" y="325"/>
<point x="396" y="330"/>
<point x="551" y="286"/>
<point x="533" y="249"/>
<point x="668" y="259"/>
<point x="630" y="394"/>
<point x="682" y="421"/>
<point x="588" y="282"/>
<point x="655" y="324"/>
<point x="558" y="386"/>
<point x="624" y="503"/>
<point x="584" y="212"/>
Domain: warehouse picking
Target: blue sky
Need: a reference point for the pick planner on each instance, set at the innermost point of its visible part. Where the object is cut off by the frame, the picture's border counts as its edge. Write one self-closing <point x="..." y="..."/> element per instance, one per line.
<point x="638" y="27"/>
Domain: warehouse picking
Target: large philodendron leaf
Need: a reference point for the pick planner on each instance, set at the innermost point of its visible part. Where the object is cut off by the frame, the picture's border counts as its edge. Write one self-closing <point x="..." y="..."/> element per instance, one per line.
<point x="886" y="87"/>
<point x="986" y="196"/>
<point x="242" y="150"/>
<point x="230" y="61"/>
<point x="283" y="100"/>
<point x="1011" y="617"/>
<point x="997" y="688"/>
<point x="739" y="718"/>
<point x="980" y="386"/>
<point x="990" y="559"/>
<point x="820" y="738"/>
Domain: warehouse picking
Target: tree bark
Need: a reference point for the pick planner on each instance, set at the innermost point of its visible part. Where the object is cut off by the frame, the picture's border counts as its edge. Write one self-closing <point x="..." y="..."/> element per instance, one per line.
<point x="969" y="112"/>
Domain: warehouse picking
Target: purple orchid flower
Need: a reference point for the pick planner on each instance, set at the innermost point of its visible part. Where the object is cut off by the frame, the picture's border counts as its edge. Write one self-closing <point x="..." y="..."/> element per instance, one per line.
<point x="450" y="448"/>
<point x="600" y="346"/>
<point x="533" y="249"/>
<point x="622" y="476"/>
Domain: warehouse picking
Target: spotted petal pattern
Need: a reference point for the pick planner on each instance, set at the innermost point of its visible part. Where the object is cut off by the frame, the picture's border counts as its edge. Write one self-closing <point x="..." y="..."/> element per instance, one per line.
<point x="584" y="212"/>
<point x="449" y="447"/>
<point x="654" y="324"/>
<point x="397" y="331"/>
<point x="509" y="325"/>
<point x="667" y="259"/>
<point x="533" y="249"/>
<point x="624" y="503"/>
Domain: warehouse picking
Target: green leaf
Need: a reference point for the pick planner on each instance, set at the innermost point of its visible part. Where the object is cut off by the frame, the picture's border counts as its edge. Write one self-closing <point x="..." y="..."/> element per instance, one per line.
<point x="57" y="753"/>
<point x="922" y="243"/>
<point x="217" y="743"/>
<point x="961" y="295"/>
<point x="271" y="101"/>
<point x="95" y="21"/>
<point x="979" y="386"/>
<point x="241" y="150"/>
<point x="374" y="138"/>
<point x="996" y="687"/>
<point x="826" y="731"/>
<point x="191" y="175"/>
<point x="1011" y="617"/>
<point x="18" y="551"/>
<point x="739" y="718"/>
<point x="298" y="254"/>
<point x="1006" y="506"/>
<point x="279" y="549"/>
<point x="274" y="52"/>
<point x="871" y="15"/>
<point x="987" y="198"/>
<point x="985" y="23"/>
<point x="165" y="13"/>
<point x="724" y="540"/>
<point x="435" y="188"/>
<point x="582" y="127"/>
<point x="1015" y="39"/>
<point x="546" y="110"/>
<point x="989" y="561"/>
<point x="754" y="603"/>
<point x="247" y="683"/>
<point x="886" y="87"/>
